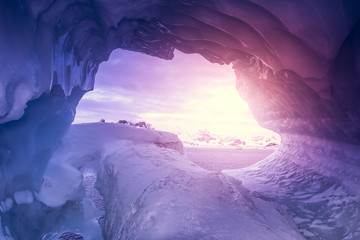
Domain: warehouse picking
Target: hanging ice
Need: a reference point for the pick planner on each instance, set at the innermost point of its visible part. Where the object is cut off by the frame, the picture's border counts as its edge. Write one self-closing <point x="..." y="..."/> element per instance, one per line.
<point x="297" y="65"/>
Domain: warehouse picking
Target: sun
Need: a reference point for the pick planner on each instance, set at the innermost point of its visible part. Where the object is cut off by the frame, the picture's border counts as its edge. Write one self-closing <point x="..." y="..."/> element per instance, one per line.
<point x="182" y="95"/>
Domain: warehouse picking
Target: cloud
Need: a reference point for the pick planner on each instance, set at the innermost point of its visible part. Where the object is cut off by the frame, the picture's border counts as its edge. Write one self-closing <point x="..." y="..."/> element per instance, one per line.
<point x="148" y="76"/>
<point x="185" y="93"/>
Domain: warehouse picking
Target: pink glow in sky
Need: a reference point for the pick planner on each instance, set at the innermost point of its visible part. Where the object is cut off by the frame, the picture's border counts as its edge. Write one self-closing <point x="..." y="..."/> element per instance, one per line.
<point x="183" y="95"/>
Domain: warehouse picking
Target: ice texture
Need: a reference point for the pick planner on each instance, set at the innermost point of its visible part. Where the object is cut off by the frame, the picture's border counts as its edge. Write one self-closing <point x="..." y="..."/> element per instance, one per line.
<point x="282" y="51"/>
<point x="80" y="152"/>
<point x="64" y="200"/>
<point x="23" y="197"/>
<point x="153" y="191"/>
<point x="27" y="144"/>
<point x="297" y="65"/>
<point x="315" y="180"/>
<point x="60" y="184"/>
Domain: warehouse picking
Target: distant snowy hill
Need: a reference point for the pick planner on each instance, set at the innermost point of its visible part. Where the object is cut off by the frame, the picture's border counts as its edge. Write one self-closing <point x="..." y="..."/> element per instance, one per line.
<point x="206" y="138"/>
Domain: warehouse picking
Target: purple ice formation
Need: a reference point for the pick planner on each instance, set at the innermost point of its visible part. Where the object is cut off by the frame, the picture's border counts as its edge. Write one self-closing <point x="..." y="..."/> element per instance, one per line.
<point x="297" y="65"/>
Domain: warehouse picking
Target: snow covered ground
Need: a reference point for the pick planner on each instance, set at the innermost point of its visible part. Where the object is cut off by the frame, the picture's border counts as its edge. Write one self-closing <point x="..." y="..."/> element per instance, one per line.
<point x="150" y="190"/>
<point x="220" y="158"/>
<point x="315" y="180"/>
<point x="115" y="181"/>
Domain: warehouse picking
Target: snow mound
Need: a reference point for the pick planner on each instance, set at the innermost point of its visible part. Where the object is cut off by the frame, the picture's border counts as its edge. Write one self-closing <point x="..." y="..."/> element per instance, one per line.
<point x="151" y="190"/>
<point x="81" y="152"/>
<point x="316" y="181"/>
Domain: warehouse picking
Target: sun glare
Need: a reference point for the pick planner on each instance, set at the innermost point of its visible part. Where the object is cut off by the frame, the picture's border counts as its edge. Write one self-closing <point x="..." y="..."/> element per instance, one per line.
<point x="184" y="95"/>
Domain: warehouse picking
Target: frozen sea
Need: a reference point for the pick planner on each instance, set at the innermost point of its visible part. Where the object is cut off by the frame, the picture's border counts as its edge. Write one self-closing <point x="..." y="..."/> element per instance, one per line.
<point x="217" y="158"/>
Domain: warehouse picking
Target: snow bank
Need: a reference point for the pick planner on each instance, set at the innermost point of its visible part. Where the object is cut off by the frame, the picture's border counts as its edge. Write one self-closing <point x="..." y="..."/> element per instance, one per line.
<point x="316" y="180"/>
<point x="61" y="200"/>
<point x="103" y="133"/>
<point x="81" y="151"/>
<point x="61" y="183"/>
<point x="154" y="193"/>
<point x="151" y="191"/>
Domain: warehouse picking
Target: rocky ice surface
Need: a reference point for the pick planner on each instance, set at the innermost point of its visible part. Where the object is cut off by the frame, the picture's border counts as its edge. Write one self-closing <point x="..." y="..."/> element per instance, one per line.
<point x="300" y="58"/>
<point x="118" y="179"/>
<point x="297" y="65"/>
<point x="310" y="179"/>
<point x="148" y="191"/>
<point x="67" y="200"/>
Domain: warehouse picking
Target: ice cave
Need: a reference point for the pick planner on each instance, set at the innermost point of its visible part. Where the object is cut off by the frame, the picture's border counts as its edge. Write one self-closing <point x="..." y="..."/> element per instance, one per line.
<point x="297" y="65"/>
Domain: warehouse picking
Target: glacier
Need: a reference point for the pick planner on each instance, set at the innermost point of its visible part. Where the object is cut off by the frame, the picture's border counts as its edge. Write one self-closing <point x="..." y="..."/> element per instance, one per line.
<point x="151" y="190"/>
<point x="297" y="65"/>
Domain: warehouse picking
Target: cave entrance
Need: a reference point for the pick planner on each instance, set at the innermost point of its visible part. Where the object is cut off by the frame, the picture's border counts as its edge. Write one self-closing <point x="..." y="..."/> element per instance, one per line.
<point x="188" y="96"/>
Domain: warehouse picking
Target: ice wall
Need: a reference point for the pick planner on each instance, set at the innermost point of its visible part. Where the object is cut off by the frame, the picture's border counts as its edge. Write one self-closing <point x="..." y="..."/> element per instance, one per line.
<point x="285" y="52"/>
<point x="156" y="193"/>
<point x="44" y="74"/>
<point x="297" y="65"/>
<point x="303" y="50"/>
<point x="27" y="144"/>
<point x="61" y="203"/>
<point x="151" y="190"/>
<point x="316" y="181"/>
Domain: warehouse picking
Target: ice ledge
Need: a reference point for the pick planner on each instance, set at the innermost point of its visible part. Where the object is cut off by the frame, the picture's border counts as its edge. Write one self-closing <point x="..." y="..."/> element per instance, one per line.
<point x="329" y="158"/>
<point x="316" y="180"/>
<point x="106" y="132"/>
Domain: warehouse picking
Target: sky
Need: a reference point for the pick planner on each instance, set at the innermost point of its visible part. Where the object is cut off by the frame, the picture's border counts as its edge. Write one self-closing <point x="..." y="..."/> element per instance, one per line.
<point x="182" y="95"/>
